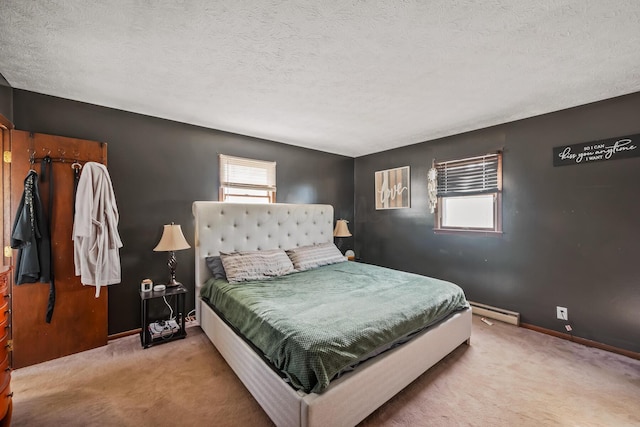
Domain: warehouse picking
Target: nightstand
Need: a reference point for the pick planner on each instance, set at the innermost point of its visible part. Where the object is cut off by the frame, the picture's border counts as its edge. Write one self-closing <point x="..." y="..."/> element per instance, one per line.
<point x="154" y="331"/>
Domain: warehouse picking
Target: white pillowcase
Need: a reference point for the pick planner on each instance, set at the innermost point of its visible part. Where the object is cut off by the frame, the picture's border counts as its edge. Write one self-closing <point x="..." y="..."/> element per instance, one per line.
<point x="308" y="257"/>
<point x="255" y="265"/>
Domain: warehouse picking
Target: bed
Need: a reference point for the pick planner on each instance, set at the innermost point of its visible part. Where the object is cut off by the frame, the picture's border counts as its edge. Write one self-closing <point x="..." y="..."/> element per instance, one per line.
<point x="227" y="227"/>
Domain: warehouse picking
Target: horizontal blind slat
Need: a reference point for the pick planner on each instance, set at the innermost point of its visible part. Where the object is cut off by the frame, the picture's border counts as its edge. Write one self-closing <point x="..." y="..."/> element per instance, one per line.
<point x="468" y="192"/>
<point x="469" y="168"/>
<point x="469" y="177"/>
<point x="247" y="186"/>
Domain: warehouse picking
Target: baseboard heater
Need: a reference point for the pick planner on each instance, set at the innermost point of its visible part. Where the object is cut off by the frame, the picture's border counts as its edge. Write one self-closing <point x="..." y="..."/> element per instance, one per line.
<point x="495" y="313"/>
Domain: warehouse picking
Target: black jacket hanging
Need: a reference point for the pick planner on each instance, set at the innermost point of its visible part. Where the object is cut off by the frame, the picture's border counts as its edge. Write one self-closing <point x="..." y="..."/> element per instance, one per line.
<point x="30" y="235"/>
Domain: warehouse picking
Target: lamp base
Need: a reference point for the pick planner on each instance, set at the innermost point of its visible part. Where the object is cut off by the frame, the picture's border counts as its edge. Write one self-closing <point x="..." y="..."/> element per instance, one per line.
<point x="173" y="283"/>
<point x="172" y="264"/>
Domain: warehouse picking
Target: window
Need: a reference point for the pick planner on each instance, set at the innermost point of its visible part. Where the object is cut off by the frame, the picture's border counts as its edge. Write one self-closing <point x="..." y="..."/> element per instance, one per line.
<point x="247" y="180"/>
<point x="469" y="194"/>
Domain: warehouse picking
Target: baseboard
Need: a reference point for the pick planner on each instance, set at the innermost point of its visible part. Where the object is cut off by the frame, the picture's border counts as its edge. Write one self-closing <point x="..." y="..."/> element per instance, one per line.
<point x="124" y="334"/>
<point x="583" y="341"/>
<point x="496" y="313"/>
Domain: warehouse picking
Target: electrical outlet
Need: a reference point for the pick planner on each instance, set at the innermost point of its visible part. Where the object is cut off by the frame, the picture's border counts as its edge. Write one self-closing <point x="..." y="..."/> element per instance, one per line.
<point x="562" y="313"/>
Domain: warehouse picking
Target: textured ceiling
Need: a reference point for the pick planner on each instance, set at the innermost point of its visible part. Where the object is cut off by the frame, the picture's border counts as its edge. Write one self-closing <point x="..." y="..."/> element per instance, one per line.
<point x="348" y="77"/>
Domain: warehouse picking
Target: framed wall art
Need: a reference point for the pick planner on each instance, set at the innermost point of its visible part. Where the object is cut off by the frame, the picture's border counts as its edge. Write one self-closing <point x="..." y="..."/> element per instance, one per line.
<point x="393" y="188"/>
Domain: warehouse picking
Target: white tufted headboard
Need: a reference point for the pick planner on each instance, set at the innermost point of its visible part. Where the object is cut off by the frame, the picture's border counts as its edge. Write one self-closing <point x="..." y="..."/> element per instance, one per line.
<point x="227" y="227"/>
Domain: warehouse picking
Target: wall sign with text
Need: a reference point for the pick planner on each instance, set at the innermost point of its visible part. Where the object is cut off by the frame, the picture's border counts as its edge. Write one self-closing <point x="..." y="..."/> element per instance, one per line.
<point x="393" y="188"/>
<point x="597" y="151"/>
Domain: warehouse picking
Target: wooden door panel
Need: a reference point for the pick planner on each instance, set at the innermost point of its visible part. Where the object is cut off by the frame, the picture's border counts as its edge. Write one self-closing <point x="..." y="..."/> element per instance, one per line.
<point x="79" y="319"/>
<point x="5" y="127"/>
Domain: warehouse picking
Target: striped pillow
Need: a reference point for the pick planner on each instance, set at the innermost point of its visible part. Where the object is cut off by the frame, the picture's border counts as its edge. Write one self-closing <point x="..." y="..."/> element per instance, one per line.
<point x="255" y="265"/>
<point x="307" y="257"/>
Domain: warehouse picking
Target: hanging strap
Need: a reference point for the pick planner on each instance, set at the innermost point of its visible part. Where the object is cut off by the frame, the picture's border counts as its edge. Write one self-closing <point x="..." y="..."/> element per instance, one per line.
<point x="76" y="178"/>
<point x="46" y="164"/>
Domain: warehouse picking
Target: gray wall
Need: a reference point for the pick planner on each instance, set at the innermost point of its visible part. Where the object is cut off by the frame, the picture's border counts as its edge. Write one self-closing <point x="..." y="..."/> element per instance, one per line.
<point x="6" y="99"/>
<point x="571" y="234"/>
<point x="159" y="167"/>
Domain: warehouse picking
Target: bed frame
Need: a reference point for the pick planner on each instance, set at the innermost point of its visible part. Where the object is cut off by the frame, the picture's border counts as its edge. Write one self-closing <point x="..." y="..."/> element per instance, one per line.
<point x="348" y="400"/>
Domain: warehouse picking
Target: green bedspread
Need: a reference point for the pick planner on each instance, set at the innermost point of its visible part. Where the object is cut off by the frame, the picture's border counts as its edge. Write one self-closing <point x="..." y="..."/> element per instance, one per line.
<point x="314" y="324"/>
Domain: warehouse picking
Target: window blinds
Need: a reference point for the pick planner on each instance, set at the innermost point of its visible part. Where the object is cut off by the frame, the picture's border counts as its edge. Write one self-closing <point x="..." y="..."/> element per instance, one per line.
<point x="238" y="172"/>
<point x="475" y="175"/>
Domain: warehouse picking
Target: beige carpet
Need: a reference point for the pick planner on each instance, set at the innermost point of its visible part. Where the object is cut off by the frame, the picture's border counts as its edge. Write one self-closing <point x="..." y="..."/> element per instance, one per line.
<point x="509" y="376"/>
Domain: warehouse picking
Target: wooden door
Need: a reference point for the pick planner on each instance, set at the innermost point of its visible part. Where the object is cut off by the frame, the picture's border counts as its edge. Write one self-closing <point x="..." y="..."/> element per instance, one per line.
<point x="79" y="319"/>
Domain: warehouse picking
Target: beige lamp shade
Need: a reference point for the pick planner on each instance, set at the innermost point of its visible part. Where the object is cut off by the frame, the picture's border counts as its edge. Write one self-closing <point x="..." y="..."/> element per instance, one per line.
<point x="341" y="230"/>
<point x="172" y="239"/>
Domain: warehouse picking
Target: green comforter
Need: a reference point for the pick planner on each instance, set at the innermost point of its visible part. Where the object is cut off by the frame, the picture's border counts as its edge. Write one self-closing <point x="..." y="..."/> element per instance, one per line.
<point x="315" y="324"/>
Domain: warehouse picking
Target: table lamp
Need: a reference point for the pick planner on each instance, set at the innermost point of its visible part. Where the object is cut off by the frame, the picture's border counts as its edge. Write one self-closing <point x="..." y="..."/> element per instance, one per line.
<point x="172" y="240"/>
<point x="341" y="230"/>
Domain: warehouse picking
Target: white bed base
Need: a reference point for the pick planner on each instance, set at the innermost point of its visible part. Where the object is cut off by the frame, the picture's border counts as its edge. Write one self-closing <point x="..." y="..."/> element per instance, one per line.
<point x="349" y="399"/>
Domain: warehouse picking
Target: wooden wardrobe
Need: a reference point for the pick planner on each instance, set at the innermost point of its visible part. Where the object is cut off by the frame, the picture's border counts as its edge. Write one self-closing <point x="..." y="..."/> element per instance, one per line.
<point x="79" y="320"/>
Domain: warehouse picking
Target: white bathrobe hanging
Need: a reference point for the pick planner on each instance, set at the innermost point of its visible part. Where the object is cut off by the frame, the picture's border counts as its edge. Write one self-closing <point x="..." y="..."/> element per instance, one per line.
<point x="96" y="241"/>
